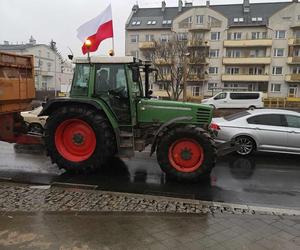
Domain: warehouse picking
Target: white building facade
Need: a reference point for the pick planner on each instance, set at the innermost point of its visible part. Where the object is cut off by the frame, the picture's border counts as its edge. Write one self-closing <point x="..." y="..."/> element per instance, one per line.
<point x="51" y="71"/>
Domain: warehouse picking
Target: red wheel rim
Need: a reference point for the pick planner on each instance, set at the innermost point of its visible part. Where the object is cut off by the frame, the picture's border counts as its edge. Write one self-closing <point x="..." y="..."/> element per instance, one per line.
<point x="75" y="140"/>
<point x="186" y="155"/>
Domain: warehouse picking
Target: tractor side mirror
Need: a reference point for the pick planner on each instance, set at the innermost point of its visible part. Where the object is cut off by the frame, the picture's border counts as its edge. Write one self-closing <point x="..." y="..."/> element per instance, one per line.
<point x="135" y="74"/>
<point x="70" y="57"/>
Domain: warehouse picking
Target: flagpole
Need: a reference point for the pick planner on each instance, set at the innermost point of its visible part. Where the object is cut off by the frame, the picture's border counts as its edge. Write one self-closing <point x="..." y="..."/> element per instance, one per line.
<point x="113" y="37"/>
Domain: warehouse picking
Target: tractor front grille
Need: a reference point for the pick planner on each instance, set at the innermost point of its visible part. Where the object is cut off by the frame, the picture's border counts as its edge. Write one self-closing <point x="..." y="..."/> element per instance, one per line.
<point x="203" y="116"/>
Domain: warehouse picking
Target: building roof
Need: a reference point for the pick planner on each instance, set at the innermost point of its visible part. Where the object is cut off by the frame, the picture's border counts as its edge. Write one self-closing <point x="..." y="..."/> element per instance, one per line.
<point x="262" y="10"/>
<point x="15" y="46"/>
<point x="144" y="15"/>
<point x="231" y="11"/>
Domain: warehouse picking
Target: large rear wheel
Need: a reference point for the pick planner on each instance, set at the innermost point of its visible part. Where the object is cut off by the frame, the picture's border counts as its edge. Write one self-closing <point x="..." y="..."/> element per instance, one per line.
<point x="186" y="153"/>
<point x="79" y="139"/>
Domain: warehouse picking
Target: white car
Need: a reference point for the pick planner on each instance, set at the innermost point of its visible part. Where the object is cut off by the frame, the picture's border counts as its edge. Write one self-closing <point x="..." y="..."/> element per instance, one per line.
<point x="247" y="100"/>
<point x="269" y="130"/>
<point x="35" y="123"/>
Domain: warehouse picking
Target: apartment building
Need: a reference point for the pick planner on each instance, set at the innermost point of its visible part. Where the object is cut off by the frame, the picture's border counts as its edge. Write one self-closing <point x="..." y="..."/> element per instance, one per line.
<point x="51" y="72"/>
<point x="251" y="46"/>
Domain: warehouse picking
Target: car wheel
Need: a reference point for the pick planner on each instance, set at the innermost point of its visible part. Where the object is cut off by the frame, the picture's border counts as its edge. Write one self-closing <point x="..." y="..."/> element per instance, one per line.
<point x="213" y="106"/>
<point x="247" y="145"/>
<point x="252" y="107"/>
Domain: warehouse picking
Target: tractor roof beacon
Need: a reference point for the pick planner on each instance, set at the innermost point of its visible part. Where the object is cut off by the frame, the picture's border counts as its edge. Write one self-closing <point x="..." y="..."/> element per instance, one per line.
<point x="109" y="114"/>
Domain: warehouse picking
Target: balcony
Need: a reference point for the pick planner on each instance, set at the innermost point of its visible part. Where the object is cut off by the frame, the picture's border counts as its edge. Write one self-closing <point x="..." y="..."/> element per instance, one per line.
<point x="197" y="78"/>
<point x="294" y="42"/>
<point x="164" y="77"/>
<point x="293" y="60"/>
<point x="147" y="45"/>
<point x="248" y="43"/>
<point x="245" y="78"/>
<point x="292" y="78"/>
<point x="247" y="60"/>
<point x="162" y="61"/>
<point x="197" y="43"/>
<point x="198" y="61"/>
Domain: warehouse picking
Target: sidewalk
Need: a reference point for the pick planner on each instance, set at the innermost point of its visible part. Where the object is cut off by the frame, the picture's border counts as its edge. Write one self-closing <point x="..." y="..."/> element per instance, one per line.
<point x="60" y="218"/>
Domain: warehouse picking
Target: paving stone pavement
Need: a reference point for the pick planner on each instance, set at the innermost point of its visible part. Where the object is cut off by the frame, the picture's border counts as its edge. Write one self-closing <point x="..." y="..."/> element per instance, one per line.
<point x="34" y="217"/>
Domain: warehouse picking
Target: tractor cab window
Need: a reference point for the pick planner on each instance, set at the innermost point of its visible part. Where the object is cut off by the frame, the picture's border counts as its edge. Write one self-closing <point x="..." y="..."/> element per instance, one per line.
<point x="111" y="86"/>
<point x="136" y="85"/>
<point x="111" y="80"/>
<point x="81" y="79"/>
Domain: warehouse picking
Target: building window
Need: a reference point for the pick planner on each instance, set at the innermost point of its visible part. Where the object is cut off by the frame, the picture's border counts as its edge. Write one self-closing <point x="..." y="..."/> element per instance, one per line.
<point x="149" y="38"/>
<point x="280" y="34"/>
<point x="135" y="53"/>
<point x="199" y="19"/>
<point x="164" y="38"/>
<point x="49" y="67"/>
<point x="212" y="86"/>
<point x="213" y="70"/>
<point x="256" y="71"/>
<point x="40" y="53"/>
<point x="296" y="70"/>
<point x="48" y="54"/>
<point x="196" y="91"/>
<point x="136" y="23"/>
<point x="233" y="53"/>
<point x="275" y="87"/>
<point x="277" y="71"/>
<point x="182" y="36"/>
<point x="237" y="36"/>
<point x="150" y="22"/>
<point x="232" y="71"/>
<point x="231" y="85"/>
<point x="278" y="52"/>
<point x="134" y="38"/>
<point x="238" y="20"/>
<point x="214" y="53"/>
<point x="215" y="36"/>
<point x="255" y="35"/>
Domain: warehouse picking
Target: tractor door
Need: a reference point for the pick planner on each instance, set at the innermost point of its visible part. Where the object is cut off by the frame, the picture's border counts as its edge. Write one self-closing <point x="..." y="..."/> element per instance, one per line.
<point x="111" y="86"/>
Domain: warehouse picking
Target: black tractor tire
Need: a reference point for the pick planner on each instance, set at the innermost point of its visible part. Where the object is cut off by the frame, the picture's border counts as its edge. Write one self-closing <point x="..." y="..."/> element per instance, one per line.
<point x="199" y="138"/>
<point x="104" y="143"/>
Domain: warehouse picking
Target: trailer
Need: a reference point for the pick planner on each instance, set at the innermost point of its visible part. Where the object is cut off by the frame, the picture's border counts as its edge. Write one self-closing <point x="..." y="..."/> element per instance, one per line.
<point x="17" y="90"/>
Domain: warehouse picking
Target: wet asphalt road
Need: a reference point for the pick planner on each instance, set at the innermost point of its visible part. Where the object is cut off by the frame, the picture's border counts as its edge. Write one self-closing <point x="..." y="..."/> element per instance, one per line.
<point x="263" y="179"/>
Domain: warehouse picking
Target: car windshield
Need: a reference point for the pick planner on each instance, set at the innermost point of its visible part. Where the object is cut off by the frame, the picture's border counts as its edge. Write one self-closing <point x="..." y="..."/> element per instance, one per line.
<point x="236" y="116"/>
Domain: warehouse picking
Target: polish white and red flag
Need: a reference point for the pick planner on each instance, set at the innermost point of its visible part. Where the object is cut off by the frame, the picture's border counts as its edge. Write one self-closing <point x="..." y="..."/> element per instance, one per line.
<point x="96" y="30"/>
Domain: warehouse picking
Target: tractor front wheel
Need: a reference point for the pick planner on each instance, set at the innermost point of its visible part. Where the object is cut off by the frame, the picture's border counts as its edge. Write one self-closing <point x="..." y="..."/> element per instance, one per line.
<point x="186" y="153"/>
<point x="79" y="139"/>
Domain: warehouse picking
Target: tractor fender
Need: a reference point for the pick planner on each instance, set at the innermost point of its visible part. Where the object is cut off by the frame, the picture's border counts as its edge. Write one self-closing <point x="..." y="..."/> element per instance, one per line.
<point x="52" y="105"/>
<point x="165" y="125"/>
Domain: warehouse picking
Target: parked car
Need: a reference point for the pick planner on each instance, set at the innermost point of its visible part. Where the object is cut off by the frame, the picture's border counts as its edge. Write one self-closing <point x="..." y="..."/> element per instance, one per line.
<point x="248" y="100"/>
<point x="260" y="130"/>
<point x="35" y="123"/>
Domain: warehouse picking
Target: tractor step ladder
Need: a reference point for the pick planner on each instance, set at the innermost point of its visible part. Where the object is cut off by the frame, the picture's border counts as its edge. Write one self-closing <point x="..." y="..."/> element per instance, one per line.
<point x="126" y="144"/>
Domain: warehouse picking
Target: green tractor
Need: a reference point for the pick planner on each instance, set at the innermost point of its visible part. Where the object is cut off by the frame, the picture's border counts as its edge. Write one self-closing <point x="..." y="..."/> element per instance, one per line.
<point x="108" y="114"/>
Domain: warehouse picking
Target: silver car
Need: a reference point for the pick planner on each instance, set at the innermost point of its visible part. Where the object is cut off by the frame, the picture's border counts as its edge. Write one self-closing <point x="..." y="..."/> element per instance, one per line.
<point x="269" y="130"/>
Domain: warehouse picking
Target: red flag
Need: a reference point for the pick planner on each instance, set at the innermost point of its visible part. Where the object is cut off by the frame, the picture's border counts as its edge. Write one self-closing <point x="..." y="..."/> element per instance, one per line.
<point x="96" y="30"/>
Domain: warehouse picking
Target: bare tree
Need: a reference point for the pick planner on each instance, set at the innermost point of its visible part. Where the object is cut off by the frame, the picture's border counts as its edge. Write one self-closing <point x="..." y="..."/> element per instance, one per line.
<point x="176" y="63"/>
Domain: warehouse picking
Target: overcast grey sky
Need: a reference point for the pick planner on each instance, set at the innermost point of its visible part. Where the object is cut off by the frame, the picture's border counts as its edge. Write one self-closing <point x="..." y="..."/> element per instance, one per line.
<point x="59" y="19"/>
